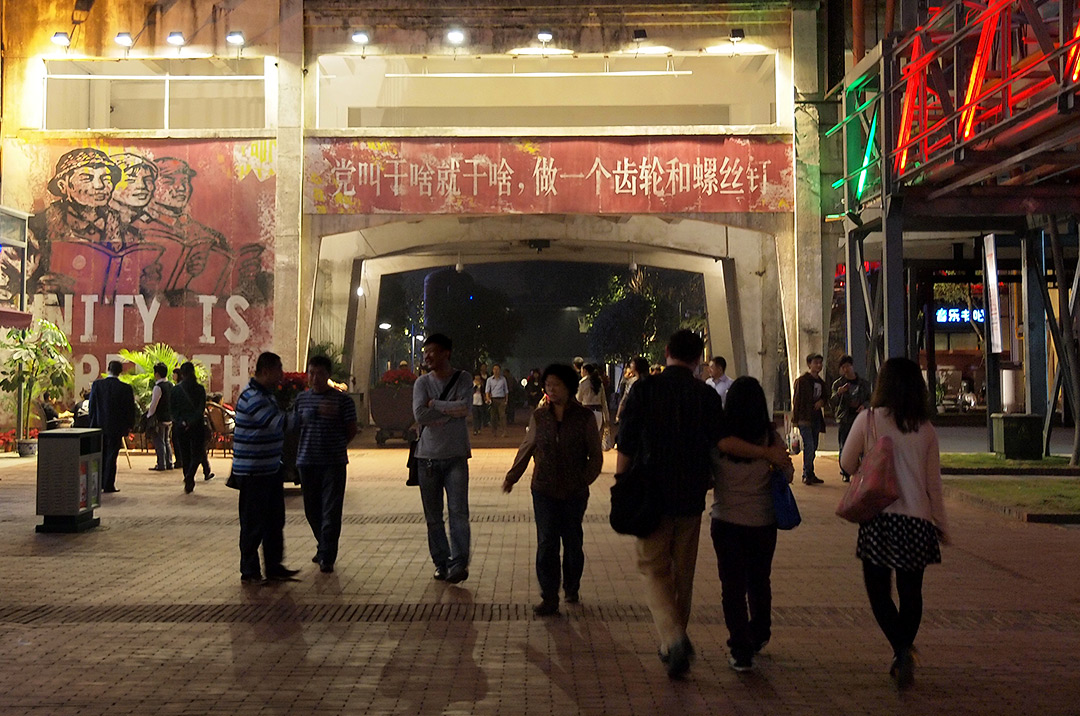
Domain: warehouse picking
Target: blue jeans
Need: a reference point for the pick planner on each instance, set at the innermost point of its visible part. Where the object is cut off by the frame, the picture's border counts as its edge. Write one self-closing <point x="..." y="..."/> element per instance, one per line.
<point x="162" y="438"/>
<point x="559" y="521"/>
<point x="324" y="496"/>
<point x="809" y="434"/>
<point x="451" y="476"/>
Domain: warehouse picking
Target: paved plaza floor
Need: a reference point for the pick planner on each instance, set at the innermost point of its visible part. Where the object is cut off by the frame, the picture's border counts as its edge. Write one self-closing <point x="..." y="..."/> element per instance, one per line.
<point x="146" y="614"/>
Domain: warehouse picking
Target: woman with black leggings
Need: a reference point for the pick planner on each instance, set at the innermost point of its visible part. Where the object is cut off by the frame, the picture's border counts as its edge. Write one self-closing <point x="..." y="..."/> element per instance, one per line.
<point x="906" y="535"/>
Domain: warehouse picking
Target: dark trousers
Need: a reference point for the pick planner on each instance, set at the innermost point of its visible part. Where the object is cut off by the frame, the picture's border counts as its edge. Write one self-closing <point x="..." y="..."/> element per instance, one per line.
<point x="744" y="559"/>
<point x="262" y="522"/>
<point x="192" y="450"/>
<point x="163" y="444"/>
<point x="842" y="429"/>
<point x="559" y="521"/>
<point x="324" y="495"/>
<point x="900" y="626"/>
<point x="110" y="451"/>
<point x="477" y="418"/>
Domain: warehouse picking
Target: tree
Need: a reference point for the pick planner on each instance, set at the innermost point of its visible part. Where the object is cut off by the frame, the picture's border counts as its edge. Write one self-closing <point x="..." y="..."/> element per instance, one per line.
<point x="38" y="361"/>
<point x="620" y="330"/>
<point x="478" y="319"/>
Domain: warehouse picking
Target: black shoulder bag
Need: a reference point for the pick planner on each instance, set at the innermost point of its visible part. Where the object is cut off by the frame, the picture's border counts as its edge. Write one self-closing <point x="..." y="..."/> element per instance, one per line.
<point x="636" y="503"/>
<point x="412" y="463"/>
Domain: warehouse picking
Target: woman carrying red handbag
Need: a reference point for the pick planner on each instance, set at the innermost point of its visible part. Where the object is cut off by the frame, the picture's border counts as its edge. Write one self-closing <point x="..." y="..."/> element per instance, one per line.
<point x="905" y="536"/>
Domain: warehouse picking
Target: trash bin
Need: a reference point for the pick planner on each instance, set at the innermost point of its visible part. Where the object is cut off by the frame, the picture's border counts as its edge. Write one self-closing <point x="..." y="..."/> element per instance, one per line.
<point x="69" y="479"/>
<point x="1018" y="436"/>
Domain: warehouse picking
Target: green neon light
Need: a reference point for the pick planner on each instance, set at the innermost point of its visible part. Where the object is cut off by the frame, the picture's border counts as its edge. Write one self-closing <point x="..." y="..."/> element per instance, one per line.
<point x="866" y="157"/>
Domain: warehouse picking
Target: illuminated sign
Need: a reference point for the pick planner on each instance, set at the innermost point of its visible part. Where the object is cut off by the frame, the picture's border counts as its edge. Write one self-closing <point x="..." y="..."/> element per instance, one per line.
<point x="957" y="316"/>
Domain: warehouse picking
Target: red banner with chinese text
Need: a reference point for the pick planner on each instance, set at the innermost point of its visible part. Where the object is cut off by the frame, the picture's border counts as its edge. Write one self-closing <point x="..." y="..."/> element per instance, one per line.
<point x="639" y="175"/>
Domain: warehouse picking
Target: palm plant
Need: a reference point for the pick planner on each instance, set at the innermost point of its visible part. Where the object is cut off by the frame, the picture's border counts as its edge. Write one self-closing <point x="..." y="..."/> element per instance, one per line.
<point x="142" y="381"/>
<point x="37" y="361"/>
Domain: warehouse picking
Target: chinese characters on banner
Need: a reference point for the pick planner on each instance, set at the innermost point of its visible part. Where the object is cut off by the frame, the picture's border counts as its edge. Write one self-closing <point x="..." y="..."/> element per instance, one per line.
<point x="548" y="176"/>
<point x="157" y="241"/>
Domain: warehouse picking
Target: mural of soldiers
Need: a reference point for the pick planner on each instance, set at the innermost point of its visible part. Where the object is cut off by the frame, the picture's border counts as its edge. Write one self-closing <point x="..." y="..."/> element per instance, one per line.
<point x="66" y="234"/>
<point x="132" y="194"/>
<point x="197" y="258"/>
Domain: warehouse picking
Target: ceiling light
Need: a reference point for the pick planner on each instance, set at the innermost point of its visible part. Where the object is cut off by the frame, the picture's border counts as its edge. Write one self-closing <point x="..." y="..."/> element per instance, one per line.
<point x="544" y="36"/>
<point x="737" y="35"/>
<point x="385" y="326"/>
<point x="361" y="38"/>
<point x="235" y="37"/>
<point x="460" y="266"/>
<point x="360" y="291"/>
<point x="455" y="36"/>
<point x="176" y="38"/>
<point x="124" y="39"/>
<point x="633" y="263"/>
<point x="640" y="36"/>
<point x="62" y="39"/>
<point x="539" y="51"/>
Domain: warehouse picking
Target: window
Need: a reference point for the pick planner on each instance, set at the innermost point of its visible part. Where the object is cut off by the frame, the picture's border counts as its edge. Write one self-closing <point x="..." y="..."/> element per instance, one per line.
<point x="211" y="93"/>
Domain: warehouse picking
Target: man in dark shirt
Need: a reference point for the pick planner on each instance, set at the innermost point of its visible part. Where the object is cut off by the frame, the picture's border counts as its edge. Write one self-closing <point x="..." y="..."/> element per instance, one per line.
<point x="327" y="424"/>
<point x="188" y="404"/>
<point x="850" y="395"/>
<point x="159" y="418"/>
<point x="672" y="421"/>
<point x="112" y="408"/>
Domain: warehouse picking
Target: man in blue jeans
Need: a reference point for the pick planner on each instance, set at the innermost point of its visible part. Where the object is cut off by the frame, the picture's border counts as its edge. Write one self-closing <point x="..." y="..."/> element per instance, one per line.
<point x="327" y="424"/>
<point x="810" y="394"/>
<point x="441" y="400"/>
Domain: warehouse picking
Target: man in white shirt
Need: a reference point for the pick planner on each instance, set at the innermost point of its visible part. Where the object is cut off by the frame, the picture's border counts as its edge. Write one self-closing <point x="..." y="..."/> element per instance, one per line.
<point x="495" y="393"/>
<point x="718" y="378"/>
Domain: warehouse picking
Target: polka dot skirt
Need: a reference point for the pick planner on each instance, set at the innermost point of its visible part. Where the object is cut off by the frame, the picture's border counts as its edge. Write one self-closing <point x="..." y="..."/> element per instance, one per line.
<point x="899" y="542"/>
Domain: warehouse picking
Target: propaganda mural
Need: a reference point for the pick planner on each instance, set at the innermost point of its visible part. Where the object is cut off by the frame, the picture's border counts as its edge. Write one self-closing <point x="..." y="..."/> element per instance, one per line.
<point x="153" y="242"/>
<point x="639" y="175"/>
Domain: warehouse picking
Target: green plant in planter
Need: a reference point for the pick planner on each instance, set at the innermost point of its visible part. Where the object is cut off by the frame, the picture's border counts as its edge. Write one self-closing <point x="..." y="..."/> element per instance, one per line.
<point x="37" y="360"/>
<point x="142" y="380"/>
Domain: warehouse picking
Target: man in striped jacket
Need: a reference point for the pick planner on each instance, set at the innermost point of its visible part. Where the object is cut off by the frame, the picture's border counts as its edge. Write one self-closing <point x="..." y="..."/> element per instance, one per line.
<point x="257" y="443"/>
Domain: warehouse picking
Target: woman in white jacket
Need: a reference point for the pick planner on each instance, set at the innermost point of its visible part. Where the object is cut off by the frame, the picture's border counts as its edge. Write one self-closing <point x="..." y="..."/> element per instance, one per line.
<point x="905" y="536"/>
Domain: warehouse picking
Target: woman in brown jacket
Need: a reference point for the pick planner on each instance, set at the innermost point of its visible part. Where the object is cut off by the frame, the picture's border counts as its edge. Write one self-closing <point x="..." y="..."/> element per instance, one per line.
<point x="564" y="443"/>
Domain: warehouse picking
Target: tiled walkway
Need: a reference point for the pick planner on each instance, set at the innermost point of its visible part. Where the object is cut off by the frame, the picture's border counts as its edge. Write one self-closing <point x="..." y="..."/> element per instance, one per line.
<point x="146" y="614"/>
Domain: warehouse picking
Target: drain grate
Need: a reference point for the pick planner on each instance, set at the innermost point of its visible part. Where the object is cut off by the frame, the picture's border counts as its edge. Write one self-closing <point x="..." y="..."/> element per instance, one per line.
<point x="806" y="617"/>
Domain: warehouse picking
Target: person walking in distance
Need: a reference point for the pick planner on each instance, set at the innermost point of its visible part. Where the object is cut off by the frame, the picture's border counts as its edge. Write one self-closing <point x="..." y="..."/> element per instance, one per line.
<point x="175" y="435"/>
<point x="327" y="423"/>
<point x="806" y="407"/>
<point x="188" y="404"/>
<point x="441" y="400"/>
<point x="159" y="418"/>
<point x="564" y="444"/>
<point x="112" y="408"/>
<point x="477" y="404"/>
<point x="718" y="378"/>
<point x="495" y="395"/>
<point x="850" y="396"/>
<point x="907" y="535"/>
<point x="257" y="445"/>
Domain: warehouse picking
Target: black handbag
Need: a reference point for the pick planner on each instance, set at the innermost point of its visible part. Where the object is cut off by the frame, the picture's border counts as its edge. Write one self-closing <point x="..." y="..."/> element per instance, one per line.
<point x="636" y="505"/>
<point x="412" y="463"/>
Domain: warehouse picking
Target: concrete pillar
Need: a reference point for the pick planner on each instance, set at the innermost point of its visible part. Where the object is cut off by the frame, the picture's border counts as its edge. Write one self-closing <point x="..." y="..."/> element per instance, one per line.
<point x="800" y="256"/>
<point x="723" y="314"/>
<point x="289" y="186"/>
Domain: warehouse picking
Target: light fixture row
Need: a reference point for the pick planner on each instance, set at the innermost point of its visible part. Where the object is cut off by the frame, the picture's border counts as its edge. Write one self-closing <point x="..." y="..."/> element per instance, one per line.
<point x="175" y="38"/>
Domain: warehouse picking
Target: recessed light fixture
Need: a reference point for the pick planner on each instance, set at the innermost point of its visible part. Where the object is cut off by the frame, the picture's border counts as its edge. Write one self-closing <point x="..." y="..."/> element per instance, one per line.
<point x="124" y="39"/>
<point x="544" y="36"/>
<point x="455" y="36"/>
<point x="61" y="38"/>
<point x="361" y="38"/>
<point x="176" y="38"/>
<point x="235" y="37"/>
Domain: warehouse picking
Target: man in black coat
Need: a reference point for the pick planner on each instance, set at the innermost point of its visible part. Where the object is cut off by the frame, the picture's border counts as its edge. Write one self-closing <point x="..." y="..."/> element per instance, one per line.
<point x="112" y="408"/>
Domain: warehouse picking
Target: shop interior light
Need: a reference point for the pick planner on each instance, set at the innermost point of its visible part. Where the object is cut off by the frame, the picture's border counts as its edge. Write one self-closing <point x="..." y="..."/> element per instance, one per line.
<point x="235" y="37"/>
<point x="455" y="36"/>
<point x="361" y="38"/>
<point x="124" y="39"/>
<point x="61" y="38"/>
<point x="176" y="38"/>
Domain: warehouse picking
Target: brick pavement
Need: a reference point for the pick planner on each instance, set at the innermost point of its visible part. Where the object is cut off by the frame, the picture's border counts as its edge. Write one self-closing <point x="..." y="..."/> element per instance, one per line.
<point x="146" y="614"/>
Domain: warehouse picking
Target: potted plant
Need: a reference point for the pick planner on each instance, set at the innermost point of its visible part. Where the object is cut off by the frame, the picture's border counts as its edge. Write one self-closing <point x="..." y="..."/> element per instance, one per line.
<point x="391" y="405"/>
<point x="37" y="360"/>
